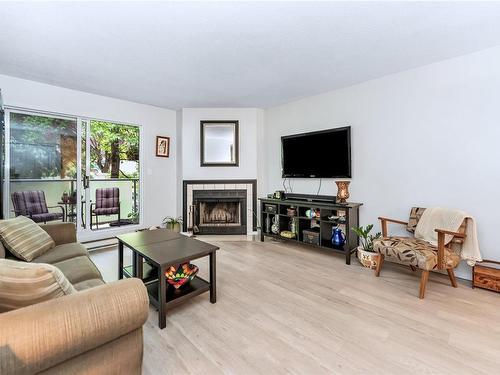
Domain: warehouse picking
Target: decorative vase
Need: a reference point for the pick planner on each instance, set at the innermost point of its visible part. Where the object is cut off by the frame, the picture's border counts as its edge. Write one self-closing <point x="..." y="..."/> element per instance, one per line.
<point x="368" y="259"/>
<point x="268" y="224"/>
<point x="176" y="227"/>
<point x="293" y="226"/>
<point x="342" y="191"/>
<point x="275" y="228"/>
<point x="338" y="237"/>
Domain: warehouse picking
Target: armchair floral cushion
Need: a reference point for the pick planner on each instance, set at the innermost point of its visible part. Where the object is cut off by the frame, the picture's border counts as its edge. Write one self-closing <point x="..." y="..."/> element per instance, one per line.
<point x="413" y="252"/>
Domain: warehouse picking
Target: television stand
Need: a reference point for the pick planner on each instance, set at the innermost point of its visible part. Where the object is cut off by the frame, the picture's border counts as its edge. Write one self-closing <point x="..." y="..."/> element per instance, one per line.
<point x="319" y="228"/>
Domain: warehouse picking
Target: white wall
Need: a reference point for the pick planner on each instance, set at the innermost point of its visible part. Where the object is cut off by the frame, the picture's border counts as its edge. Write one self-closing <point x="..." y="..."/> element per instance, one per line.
<point x="424" y="137"/>
<point x="250" y="123"/>
<point x="251" y="146"/>
<point x="179" y="175"/>
<point x="160" y="189"/>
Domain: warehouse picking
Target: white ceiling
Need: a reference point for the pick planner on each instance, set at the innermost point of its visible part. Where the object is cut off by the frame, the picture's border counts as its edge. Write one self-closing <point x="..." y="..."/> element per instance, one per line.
<point x="187" y="54"/>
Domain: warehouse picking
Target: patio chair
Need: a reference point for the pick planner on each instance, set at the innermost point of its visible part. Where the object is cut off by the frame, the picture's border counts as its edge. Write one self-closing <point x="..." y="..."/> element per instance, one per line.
<point x="32" y="204"/>
<point x="107" y="203"/>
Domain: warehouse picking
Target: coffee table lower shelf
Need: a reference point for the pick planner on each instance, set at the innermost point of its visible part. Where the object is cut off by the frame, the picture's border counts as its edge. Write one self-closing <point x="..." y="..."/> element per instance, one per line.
<point x="196" y="286"/>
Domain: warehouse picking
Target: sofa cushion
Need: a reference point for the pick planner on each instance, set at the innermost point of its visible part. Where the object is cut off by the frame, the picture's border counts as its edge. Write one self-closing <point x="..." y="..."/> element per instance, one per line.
<point x="78" y="269"/>
<point x="24" y="238"/>
<point x="87" y="284"/>
<point x="23" y="284"/>
<point x="2" y="251"/>
<point x="413" y="252"/>
<point x="61" y="233"/>
<point x="62" y="252"/>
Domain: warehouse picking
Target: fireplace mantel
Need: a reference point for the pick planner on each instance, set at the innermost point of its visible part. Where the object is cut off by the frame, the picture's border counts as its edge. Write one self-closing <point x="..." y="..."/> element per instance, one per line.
<point x="208" y="188"/>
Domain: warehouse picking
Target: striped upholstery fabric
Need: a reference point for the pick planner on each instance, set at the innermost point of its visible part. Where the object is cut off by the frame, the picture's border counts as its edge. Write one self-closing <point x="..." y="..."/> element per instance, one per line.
<point x="33" y="204"/>
<point x="24" y="238"/>
<point x="23" y="284"/>
<point x="107" y="201"/>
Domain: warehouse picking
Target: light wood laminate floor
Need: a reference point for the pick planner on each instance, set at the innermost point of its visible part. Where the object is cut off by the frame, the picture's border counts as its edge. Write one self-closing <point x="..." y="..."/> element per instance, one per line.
<point x="284" y="308"/>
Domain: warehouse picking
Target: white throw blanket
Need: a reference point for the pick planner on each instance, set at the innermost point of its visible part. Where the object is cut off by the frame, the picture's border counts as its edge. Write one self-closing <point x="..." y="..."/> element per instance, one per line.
<point x="449" y="219"/>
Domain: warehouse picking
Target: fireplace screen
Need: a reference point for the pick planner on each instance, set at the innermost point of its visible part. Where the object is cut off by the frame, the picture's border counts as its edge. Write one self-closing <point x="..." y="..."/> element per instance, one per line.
<point x="220" y="214"/>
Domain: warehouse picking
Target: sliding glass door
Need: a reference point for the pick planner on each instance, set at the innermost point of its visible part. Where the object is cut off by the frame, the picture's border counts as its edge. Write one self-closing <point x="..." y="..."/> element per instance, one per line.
<point x="111" y="174"/>
<point x="41" y="166"/>
<point x="72" y="169"/>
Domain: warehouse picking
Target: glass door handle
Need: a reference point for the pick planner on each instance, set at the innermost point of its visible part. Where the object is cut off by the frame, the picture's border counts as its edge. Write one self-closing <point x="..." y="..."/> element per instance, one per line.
<point x="86" y="182"/>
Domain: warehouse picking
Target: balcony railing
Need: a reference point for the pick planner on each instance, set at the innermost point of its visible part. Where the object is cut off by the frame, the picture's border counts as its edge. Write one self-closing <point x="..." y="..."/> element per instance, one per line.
<point x="55" y="188"/>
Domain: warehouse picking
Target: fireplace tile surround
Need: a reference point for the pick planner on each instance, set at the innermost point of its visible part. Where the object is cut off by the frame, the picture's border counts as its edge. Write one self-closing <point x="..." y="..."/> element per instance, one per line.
<point x="240" y="188"/>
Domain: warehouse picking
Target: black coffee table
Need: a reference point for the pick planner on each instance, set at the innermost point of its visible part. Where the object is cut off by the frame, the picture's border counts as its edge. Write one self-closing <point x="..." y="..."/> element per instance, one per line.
<point x="161" y="249"/>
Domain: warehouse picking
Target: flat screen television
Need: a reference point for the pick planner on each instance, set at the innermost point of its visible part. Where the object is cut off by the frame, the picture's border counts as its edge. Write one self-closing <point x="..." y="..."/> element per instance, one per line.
<point x="321" y="154"/>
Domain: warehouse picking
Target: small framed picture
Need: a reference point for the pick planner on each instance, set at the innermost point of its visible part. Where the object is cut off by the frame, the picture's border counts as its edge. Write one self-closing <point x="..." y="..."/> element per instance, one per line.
<point x="162" y="146"/>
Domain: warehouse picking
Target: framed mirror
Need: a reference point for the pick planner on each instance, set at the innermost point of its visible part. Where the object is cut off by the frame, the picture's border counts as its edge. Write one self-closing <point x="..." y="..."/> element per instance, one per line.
<point x="219" y="144"/>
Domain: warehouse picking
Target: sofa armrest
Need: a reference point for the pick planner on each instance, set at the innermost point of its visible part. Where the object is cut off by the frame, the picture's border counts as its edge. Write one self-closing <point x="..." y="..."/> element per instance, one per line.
<point x="61" y="233"/>
<point x="40" y="336"/>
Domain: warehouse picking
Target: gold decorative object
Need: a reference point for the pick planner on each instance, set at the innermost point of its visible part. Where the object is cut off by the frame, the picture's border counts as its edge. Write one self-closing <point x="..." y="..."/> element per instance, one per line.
<point x="342" y="191"/>
<point x="287" y="234"/>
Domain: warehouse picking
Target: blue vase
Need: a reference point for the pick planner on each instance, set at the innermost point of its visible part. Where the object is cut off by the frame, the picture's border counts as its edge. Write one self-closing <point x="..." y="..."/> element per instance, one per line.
<point x="338" y="237"/>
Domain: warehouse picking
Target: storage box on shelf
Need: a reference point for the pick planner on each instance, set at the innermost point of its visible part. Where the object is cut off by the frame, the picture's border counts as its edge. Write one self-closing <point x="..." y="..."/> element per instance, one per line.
<point x="311" y="236"/>
<point x="313" y="222"/>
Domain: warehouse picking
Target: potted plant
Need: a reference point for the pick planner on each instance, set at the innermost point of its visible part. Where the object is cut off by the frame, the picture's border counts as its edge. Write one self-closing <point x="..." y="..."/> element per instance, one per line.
<point x="133" y="217"/>
<point x="173" y="223"/>
<point x="366" y="255"/>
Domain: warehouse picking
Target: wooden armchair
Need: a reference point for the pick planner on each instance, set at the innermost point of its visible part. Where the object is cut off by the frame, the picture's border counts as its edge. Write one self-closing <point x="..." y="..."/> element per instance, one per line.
<point x="417" y="253"/>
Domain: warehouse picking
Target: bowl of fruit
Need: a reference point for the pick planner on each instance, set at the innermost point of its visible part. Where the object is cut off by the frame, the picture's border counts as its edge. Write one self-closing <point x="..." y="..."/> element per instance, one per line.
<point x="180" y="275"/>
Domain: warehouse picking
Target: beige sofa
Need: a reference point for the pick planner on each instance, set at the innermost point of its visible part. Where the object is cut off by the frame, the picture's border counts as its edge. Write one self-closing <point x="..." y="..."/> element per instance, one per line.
<point x="95" y="331"/>
<point x="69" y="256"/>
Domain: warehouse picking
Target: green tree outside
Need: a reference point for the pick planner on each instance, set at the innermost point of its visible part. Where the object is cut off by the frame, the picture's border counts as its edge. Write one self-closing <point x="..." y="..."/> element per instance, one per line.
<point x="45" y="147"/>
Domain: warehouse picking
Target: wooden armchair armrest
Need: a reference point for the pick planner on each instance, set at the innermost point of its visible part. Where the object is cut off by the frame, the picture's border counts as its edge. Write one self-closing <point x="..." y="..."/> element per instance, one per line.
<point x="454" y="234"/>
<point x="441" y="237"/>
<point x="385" y="220"/>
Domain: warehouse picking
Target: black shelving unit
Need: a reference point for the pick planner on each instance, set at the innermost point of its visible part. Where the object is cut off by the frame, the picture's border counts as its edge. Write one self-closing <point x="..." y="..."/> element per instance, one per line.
<point x="324" y="225"/>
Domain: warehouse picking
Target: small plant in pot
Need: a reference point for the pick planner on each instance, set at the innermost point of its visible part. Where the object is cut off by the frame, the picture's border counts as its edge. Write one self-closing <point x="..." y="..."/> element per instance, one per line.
<point x="173" y="223"/>
<point x="366" y="255"/>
